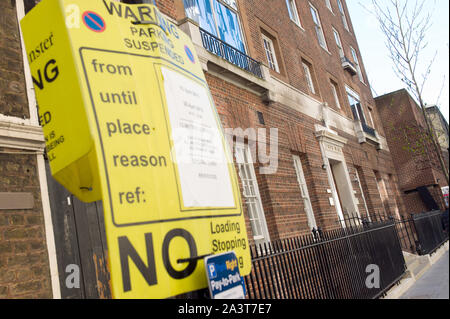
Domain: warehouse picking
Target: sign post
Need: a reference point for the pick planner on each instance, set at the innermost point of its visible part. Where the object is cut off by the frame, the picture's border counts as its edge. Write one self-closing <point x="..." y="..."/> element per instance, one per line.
<point x="129" y="119"/>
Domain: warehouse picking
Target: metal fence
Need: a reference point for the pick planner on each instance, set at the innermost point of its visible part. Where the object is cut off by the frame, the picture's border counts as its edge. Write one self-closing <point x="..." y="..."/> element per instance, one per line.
<point x="232" y="55"/>
<point x="430" y="231"/>
<point x="422" y="233"/>
<point x="334" y="264"/>
<point x="369" y="130"/>
<point x="407" y="234"/>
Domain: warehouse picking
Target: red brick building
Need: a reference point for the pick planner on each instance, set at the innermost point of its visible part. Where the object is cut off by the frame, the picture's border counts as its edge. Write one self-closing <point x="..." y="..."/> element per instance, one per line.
<point x="314" y="90"/>
<point x="290" y="67"/>
<point x="415" y="158"/>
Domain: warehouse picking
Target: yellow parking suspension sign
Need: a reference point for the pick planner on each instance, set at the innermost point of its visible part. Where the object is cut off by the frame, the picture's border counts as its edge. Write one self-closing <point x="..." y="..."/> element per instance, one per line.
<point x="128" y="118"/>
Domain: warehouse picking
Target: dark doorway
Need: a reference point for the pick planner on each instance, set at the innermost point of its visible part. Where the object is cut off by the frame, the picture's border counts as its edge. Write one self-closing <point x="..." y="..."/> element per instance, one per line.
<point x="80" y="240"/>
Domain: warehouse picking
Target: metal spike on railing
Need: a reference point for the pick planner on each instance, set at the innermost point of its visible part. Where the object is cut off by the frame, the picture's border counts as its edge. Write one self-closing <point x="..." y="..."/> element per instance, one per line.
<point x="314" y="232"/>
<point x="319" y="230"/>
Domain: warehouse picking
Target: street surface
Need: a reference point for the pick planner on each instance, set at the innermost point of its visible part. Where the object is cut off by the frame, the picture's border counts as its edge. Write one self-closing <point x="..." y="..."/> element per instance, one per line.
<point x="433" y="284"/>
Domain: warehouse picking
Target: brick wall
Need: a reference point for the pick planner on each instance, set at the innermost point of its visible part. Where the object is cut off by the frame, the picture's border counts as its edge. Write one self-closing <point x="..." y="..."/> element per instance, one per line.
<point x="24" y="265"/>
<point x="168" y="7"/>
<point x="13" y="100"/>
<point x="280" y="193"/>
<point x="295" y="43"/>
<point x="415" y="159"/>
<point x="24" y="268"/>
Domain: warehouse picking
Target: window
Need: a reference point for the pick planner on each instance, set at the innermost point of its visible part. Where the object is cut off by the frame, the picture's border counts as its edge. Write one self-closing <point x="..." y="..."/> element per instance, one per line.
<point x="338" y="43"/>
<point x="356" y="106"/>
<point x="308" y="76"/>
<point x="293" y="13"/>
<point x="218" y="19"/>
<point x="372" y="124"/>
<point x="318" y="27"/>
<point x="328" y="4"/>
<point x="342" y="12"/>
<point x="270" y="53"/>
<point x="251" y="194"/>
<point x="231" y="3"/>
<point x="304" y="192"/>
<point x="260" y="118"/>
<point x="363" y="195"/>
<point x="381" y="186"/>
<point x="358" y="68"/>
<point x="334" y="89"/>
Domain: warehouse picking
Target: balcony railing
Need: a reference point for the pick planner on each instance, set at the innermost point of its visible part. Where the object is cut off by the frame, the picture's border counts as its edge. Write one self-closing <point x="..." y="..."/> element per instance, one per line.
<point x="232" y="55"/>
<point x="366" y="128"/>
<point x="369" y="130"/>
<point x="348" y="65"/>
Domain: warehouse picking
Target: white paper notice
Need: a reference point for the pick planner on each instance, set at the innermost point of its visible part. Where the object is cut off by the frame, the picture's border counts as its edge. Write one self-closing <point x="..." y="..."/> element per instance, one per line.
<point x="202" y="166"/>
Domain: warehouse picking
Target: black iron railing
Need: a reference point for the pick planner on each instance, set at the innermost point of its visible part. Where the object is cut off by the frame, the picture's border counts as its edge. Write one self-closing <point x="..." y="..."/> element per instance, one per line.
<point x="366" y="128"/>
<point x="430" y="231"/>
<point x="369" y="130"/>
<point x="232" y="55"/>
<point x="422" y="233"/>
<point x="407" y="235"/>
<point x="328" y="265"/>
<point x="344" y="59"/>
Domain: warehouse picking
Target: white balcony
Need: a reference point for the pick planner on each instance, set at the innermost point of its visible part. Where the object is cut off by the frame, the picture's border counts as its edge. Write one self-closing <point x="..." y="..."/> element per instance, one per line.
<point x="348" y="66"/>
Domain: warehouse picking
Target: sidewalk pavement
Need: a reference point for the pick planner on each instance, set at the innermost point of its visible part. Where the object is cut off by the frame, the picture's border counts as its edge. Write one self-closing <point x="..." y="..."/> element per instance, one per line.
<point x="434" y="284"/>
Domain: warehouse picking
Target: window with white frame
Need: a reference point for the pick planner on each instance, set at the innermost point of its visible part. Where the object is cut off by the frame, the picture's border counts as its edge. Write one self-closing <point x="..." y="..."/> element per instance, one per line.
<point x="304" y="192"/>
<point x="219" y="18"/>
<point x="334" y="90"/>
<point x="308" y="76"/>
<point x="372" y="124"/>
<point x="293" y="13"/>
<point x="358" y="67"/>
<point x="270" y="53"/>
<point x="381" y="186"/>
<point x="328" y="4"/>
<point x="337" y="38"/>
<point x="231" y="3"/>
<point x="362" y="193"/>
<point x="355" y="105"/>
<point x="318" y="27"/>
<point x="252" y="197"/>
<point x="342" y="13"/>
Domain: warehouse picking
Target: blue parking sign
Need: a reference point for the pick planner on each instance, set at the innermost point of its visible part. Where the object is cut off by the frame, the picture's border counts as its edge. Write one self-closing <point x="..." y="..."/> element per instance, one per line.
<point x="224" y="278"/>
<point x="212" y="271"/>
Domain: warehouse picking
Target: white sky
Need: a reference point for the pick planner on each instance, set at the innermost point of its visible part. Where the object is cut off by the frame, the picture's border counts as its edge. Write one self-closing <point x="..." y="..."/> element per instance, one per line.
<point x="376" y="56"/>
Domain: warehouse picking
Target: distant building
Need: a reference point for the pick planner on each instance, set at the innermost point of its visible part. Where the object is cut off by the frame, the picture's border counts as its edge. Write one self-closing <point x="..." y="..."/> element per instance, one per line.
<point x="416" y="161"/>
<point x="441" y="130"/>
